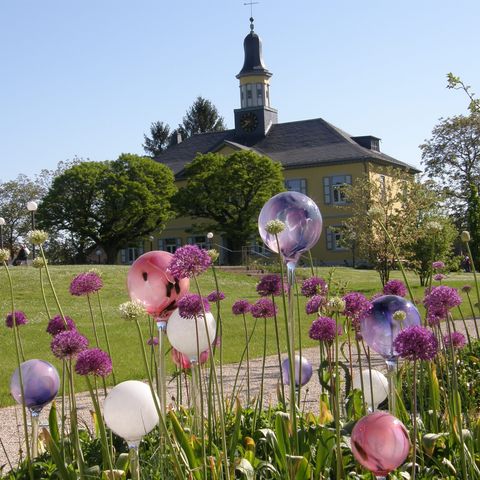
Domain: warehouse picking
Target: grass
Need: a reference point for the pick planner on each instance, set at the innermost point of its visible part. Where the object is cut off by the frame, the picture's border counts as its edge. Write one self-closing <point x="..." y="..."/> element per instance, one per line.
<point x="123" y="336"/>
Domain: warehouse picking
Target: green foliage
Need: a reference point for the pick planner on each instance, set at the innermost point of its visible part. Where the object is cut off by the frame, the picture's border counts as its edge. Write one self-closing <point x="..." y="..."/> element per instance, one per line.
<point x="473" y="222"/>
<point x="109" y="204"/>
<point x="229" y="191"/>
<point x="160" y="137"/>
<point x="201" y="117"/>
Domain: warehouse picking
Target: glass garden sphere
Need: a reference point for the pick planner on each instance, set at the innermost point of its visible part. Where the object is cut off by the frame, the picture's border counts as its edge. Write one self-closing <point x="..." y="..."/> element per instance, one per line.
<point x="129" y="410"/>
<point x="303" y="371"/>
<point x="379" y="386"/>
<point x="303" y="224"/>
<point x="40" y="383"/>
<point x="380" y="442"/>
<point x="380" y="326"/>
<point x="150" y="283"/>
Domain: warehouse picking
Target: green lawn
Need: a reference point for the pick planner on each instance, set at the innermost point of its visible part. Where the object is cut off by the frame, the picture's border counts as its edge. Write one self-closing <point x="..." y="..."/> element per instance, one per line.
<point x="123" y="336"/>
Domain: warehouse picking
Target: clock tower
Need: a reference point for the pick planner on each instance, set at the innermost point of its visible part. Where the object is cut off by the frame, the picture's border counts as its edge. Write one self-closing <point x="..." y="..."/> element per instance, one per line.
<point x="256" y="116"/>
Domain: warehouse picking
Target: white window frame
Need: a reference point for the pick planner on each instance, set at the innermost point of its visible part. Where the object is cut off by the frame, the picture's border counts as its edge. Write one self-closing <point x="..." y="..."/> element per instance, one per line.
<point x="332" y="189"/>
<point x="334" y="237"/>
<point x="302" y="182"/>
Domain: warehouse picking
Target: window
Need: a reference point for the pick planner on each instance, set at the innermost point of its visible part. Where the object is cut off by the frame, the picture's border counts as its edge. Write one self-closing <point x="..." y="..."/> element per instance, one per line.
<point x="259" y="94"/>
<point x="296" y="185"/>
<point x="169" y="244"/>
<point x="130" y="254"/>
<point x="333" y="189"/>
<point x="383" y="189"/>
<point x="199" y="240"/>
<point x="335" y="238"/>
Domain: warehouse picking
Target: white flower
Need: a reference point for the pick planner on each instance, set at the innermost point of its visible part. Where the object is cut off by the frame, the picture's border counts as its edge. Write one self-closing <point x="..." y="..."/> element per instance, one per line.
<point x="274" y="227"/>
<point x="131" y="310"/>
<point x="465" y="236"/>
<point x="4" y="255"/>
<point x="37" y="237"/>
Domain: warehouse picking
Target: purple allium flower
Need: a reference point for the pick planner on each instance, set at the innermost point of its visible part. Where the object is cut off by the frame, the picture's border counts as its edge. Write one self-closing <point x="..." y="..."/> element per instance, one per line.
<point x="395" y="287"/>
<point x="93" y="362"/>
<point x="324" y="329"/>
<point x="313" y="286"/>
<point x="416" y="343"/>
<point x="438" y="301"/>
<point x="438" y="265"/>
<point x="152" y="341"/>
<point x="57" y="325"/>
<point x="438" y="277"/>
<point x="85" y="284"/>
<point x="241" y="307"/>
<point x="455" y="340"/>
<point x="466" y="288"/>
<point x="263" y="308"/>
<point x="376" y="295"/>
<point x="215" y="296"/>
<point x="191" y="305"/>
<point x="356" y="306"/>
<point x="68" y="344"/>
<point x="188" y="261"/>
<point x="269" y="285"/>
<point x="20" y="319"/>
<point x="315" y="303"/>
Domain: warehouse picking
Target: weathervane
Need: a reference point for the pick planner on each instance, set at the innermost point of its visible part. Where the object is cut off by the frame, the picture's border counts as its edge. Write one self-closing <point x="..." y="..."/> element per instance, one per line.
<point x="251" y="12"/>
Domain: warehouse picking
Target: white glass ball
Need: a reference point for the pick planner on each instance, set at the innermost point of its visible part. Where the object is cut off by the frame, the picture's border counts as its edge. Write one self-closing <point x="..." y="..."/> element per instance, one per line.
<point x="129" y="410"/>
<point x="182" y="333"/>
<point x="379" y="386"/>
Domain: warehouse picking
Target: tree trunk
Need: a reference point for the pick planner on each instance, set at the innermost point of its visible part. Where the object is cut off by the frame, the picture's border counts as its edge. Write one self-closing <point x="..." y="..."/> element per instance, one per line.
<point x="235" y="245"/>
<point x="112" y="253"/>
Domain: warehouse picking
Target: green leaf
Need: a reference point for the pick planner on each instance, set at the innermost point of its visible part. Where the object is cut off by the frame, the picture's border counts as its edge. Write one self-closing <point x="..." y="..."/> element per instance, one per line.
<point x="245" y="469"/>
<point x="429" y="442"/>
<point x="122" y="461"/>
<point x="53" y="423"/>
<point x="65" y="474"/>
<point x="236" y="430"/>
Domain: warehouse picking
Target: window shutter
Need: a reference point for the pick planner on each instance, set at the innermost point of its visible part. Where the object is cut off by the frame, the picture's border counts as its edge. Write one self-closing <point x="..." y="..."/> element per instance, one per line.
<point x="330" y="239"/>
<point x="348" y="179"/>
<point x="326" y="190"/>
<point x="123" y="255"/>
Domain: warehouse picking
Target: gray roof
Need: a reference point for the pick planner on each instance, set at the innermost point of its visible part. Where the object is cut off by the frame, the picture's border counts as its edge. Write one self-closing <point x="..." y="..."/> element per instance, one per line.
<point x="293" y="144"/>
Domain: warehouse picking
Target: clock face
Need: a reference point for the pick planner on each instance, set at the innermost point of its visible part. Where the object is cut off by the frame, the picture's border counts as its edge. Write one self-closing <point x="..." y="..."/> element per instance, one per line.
<point x="249" y="122"/>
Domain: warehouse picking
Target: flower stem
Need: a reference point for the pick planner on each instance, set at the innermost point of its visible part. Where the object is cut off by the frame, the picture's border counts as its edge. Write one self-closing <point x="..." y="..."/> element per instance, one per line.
<point x="102" y="318"/>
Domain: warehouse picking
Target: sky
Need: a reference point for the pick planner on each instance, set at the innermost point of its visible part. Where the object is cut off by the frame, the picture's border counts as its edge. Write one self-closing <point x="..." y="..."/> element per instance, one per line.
<point x="87" y="78"/>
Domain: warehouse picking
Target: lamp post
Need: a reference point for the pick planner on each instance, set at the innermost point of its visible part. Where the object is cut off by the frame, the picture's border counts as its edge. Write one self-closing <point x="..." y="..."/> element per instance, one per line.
<point x="2" y="223"/>
<point x="98" y="253"/>
<point x="209" y="239"/>
<point x="32" y="208"/>
<point x="151" y="238"/>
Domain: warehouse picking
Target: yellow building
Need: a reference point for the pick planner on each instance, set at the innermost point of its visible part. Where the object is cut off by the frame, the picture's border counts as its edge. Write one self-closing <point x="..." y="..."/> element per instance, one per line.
<point x="317" y="157"/>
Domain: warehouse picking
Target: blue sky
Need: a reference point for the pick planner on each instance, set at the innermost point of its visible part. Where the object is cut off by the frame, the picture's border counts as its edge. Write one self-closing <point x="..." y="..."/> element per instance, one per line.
<point x="87" y="78"/>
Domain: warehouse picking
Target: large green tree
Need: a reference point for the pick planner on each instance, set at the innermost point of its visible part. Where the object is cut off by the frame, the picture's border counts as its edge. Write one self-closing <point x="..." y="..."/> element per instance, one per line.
<point x="228" y="192"/>
<point x="159" y="139"/>
<point x="110" y="203"/>
<point x="201" y="117"/>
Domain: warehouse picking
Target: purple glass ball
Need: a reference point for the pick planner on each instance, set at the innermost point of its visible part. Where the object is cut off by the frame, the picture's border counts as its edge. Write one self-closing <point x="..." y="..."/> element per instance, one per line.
<point x="379" y="328"/>
<point x="302" y="220"/>
<point x="40" y="383"/>
<point x="303" y="371"/>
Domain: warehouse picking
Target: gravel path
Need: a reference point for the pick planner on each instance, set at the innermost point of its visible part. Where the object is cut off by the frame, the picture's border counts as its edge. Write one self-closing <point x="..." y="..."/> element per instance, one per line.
<point x="11" y="417"/>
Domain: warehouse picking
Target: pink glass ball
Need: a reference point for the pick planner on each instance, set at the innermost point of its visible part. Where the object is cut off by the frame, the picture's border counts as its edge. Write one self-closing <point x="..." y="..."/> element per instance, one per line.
<point x="380" y="442"/>
<point x="150" y="283"/>
<point x="303" y="224"/>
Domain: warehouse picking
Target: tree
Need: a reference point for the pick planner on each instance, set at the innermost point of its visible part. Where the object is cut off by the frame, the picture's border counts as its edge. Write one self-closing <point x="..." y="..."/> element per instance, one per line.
<point x="201" y="117"/>
<point x="14" y="196"/>
<point x="110" y="204"/>
<point x="399" y="203"/>
<point x="228" y="192"/>
<point x="160" y="139"/>
<point x="452" y="158"/>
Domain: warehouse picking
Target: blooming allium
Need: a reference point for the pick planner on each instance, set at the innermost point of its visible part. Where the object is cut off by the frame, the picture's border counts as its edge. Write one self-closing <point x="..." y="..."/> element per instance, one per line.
<point x="274" y="227"/>
<point x="39" y="262"/>
<point x="68" y="344"/>
<point x="315" y="303"/>
<point x="438" y="265"/>
<point x="131" y="310"/>
<point x="57" y="325"/>
<point x="466" y="288"/>
<point x="215" y="296"/>
<point x="93" y="362"/>
<point x="183" y="362"/>
<point x="416" y="343"/>
<point x="37" y="237"/>
<point x="263" y="308"/>
<point x="191" y="305"/>
<point x="85" y="284"/>
<point x="356" y="306"/>
<point x="455" y="340"/>
<point x="269" y="285"/>
<point x="438" y="277"/>
<point x="4" y="255"/>
<point x="241" y="307"/>
<point x="438" y="301"/>
<point x="465" y="236"/>
<point x="313" y="286"/>
<point x="336" y="304"/>
<point x="324" y="329"/>
<point x="395" y="287"/>
<point x="213" y="254"/>
<point x="20" y="319"/>
<point x="152" y="341"/>
<point x="188" y="261"/>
